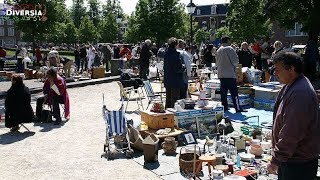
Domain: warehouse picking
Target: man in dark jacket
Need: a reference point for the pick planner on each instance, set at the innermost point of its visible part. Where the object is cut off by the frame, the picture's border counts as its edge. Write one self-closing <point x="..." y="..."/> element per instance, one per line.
<point x="83" y="58"/>
<point x="145" y="56"/>
<point x="296" y="124"/>
<point x="175" y="79"/>
<point x="18" y="104"/>
<point x="310" y="60"/>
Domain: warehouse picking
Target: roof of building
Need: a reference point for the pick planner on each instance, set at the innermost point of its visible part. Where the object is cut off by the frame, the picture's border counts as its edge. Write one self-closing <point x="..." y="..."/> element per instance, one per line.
<point x="205" y="10"/>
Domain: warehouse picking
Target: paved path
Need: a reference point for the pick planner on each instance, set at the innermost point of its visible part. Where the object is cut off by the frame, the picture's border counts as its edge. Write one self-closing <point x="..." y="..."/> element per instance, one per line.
<point x="70" y="151"/>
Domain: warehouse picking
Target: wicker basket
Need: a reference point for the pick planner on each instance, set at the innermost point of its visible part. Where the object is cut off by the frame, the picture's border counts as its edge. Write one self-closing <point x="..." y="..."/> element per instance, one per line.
<point x="186" y="161"/>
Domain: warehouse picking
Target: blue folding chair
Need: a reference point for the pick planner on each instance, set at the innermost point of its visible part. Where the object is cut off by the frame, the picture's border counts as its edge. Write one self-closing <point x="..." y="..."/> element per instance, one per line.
<point x="116" y="130"/>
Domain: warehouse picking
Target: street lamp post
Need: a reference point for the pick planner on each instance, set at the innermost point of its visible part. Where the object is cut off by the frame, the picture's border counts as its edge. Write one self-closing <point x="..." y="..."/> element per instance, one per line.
<point x="119" y="19"/>
<point x="191" y="7"/>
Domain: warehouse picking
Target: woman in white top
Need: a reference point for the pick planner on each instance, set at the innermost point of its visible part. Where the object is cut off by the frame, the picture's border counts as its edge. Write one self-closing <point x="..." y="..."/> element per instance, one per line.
<point x="91" y="55"/>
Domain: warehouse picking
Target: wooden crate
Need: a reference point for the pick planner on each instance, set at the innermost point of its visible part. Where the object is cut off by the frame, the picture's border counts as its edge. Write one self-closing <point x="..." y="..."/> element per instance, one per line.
<point x="28" y="73"/>
<point x="98" y="72"/>
<point x="158" y="120"/>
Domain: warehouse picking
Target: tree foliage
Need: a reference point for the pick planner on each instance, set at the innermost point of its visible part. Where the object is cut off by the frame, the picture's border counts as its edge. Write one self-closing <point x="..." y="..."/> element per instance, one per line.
<point x="94" y="12"/>
<point x="222" y="31"/>
<point x="108" y="28"/>
<point x="155" y="19"/>
<point x="36" y="31"/>
<point x="288" y="12"/>
<point x="201" y="36"/>
<point x="78" y="11"/>
<point x="88" y="33"/>
<point x="247" y="20"/>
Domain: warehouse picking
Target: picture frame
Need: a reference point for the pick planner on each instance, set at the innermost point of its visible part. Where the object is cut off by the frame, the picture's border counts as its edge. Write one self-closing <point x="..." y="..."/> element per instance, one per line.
<point x="188" y="138"/>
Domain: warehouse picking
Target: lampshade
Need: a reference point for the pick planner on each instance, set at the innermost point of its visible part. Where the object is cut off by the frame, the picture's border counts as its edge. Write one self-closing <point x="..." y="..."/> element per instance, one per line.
<point x="222" y="122"/>
<point x="191" y="7"/>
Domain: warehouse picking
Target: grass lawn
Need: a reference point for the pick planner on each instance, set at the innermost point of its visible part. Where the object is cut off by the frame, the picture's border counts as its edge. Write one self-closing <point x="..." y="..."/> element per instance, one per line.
<point x="12" y="53"/>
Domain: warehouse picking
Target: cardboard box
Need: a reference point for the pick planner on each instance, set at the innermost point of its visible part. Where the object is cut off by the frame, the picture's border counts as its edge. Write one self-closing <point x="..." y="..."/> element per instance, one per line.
<point x="265" y="93"/>
<point x="158" y="120"/>
<point x="246" y="90"/>
<point x="98" y="72"/>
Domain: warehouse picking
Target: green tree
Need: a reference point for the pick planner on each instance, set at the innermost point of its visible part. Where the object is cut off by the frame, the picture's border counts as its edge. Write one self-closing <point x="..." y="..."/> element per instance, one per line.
<point x="71" y="34"/>
<point x="156" y="19"/>
<point x="131" y="36"/>
<point x="94" y="12"/>
<point x="36" y="31"/>
<point x="222" y="31"/>
<point x="108" y="28"/>
<point x="289" y="12"/>
<point x="111" y="6"/>
<point x="201" y="36"/>
<point x="88" y="33"/>
<point x="78" y="11"/>
<point x="247" y="20"/>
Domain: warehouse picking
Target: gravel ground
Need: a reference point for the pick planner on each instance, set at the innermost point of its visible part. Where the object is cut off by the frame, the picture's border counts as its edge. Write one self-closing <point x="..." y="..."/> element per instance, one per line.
<point x="72" y="150"/>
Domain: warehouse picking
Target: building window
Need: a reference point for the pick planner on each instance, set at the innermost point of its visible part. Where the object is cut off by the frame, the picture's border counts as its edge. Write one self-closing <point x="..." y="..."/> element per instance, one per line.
<point x="214" y="9"/>
<point x="1" y="31"/>
<point x="1" y="21"/>
<point x="10" y="31"/>
<point x="198" y="12"/>
<point x="10" y="22"/>
<point x="296" y="31"/>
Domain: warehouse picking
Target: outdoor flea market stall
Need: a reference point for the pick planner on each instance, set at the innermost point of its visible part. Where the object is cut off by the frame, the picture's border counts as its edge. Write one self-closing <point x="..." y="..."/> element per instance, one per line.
<point x="198" y="138"/>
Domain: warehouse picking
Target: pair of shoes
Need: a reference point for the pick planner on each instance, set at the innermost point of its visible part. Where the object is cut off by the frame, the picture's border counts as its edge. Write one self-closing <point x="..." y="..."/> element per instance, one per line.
<point x="14" y="129"/>
<point x="57" y="122"/>
<point x="241" y="110"/>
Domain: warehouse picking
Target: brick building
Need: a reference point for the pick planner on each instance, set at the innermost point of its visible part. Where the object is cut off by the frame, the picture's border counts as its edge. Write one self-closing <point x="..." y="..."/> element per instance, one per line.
<point x="9" y="37"/>
<point x="212" y="17"/>
<point x="293" y="36"/>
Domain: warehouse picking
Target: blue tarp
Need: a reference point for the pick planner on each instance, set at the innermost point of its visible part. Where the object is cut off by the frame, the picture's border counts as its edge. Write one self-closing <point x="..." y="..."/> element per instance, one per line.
<point x="264" y="116"/>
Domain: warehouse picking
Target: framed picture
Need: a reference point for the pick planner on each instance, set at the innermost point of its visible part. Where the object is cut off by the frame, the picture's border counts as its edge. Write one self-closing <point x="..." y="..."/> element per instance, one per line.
<point x="188" y="138"/>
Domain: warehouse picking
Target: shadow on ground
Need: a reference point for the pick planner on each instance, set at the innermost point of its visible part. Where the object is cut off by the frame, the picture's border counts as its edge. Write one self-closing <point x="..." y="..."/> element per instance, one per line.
<point x="7" y="138"/>
<point x="46" y="127"/>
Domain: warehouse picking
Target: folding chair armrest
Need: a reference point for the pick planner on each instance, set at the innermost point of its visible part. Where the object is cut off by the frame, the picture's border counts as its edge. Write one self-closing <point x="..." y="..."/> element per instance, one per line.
<point x="159" y="93"/>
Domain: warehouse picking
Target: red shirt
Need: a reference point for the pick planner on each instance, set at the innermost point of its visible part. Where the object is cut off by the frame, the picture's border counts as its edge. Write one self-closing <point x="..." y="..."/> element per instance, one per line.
<point x="3" y="53"/>
<point x="256" y="47"/>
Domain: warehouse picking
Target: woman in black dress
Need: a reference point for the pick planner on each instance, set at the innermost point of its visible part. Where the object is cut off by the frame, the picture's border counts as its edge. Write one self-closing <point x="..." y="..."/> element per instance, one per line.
<point x="17" y="104"/>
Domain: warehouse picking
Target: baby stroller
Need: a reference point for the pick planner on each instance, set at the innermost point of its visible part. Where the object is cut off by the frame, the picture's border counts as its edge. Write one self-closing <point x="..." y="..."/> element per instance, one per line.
<point x="117" y="135"/>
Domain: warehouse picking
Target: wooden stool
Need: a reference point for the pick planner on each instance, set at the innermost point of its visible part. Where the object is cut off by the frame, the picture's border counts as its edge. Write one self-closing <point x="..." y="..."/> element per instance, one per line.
<point x="210" y="160"/>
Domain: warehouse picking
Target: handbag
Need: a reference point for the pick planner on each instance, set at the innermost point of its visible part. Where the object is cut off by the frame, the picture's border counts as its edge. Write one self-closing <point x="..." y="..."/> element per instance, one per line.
<point x="46" y="114"/>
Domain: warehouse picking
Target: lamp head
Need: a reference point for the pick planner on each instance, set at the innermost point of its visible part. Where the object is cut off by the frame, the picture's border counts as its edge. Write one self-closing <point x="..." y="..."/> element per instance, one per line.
<point x="209" y="142"/>
<point x="191" y="7"/>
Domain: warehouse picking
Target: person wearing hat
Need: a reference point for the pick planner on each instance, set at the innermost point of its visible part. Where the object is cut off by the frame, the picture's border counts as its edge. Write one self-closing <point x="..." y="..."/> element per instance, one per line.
<point x="227" y="61"/>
